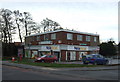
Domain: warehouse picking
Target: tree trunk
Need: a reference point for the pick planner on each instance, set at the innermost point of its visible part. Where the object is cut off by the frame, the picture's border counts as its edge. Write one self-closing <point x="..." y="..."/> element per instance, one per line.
<point x="19" y="31"/>
<point x="26" y="27"/>
<point x="5" y="35"/>
<point x="6" y="29"/>
<point x="8" y="32"/>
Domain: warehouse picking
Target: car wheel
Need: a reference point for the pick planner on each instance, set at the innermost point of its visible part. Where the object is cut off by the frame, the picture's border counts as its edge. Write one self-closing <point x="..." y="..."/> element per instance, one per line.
<point x="107" y="62"/>
<point x="55" y="61"/>
<point x="95" y="63"/>
<point x="85" y="63"/>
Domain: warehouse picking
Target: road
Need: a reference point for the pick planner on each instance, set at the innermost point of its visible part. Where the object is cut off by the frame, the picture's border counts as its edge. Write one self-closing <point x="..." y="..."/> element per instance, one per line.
<point x="15" y="73"/>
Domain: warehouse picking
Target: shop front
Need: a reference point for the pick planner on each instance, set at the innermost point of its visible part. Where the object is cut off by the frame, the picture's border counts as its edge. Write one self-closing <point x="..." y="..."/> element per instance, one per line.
<point x="72" y="52"/>
<point x="63" y="52"/>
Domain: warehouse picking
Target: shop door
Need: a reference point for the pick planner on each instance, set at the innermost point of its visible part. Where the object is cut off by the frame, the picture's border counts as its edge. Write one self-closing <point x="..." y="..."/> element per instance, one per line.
<point x="72" y="55"/>
<point x="68" y="56"/>
<point x="57" y="54"/>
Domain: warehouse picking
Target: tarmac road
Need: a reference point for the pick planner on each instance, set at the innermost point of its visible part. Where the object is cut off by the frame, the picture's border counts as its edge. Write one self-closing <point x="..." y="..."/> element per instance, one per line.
<point x="16" y="73"/>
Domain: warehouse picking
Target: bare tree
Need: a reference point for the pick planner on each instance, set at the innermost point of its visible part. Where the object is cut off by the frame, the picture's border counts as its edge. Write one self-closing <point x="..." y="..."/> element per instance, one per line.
<point x="6" y="24"/>
<point x="49" y="25"/>
<point x="18" y="19"/>
<point x="26" y="25"/>
<point x="23" y="22"/>
<point x="27" y="20"/>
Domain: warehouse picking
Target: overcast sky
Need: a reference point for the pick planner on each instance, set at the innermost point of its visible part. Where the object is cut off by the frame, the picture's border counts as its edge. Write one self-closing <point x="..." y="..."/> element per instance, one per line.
<point x="92" y="16"/>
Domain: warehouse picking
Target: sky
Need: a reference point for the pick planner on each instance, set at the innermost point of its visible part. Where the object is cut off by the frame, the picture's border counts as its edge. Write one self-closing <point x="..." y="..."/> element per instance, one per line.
<point x="92" y="16"/>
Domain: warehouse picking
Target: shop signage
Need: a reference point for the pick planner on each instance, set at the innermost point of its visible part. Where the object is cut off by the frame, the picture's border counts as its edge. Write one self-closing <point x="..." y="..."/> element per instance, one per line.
<point x="82" y="48"/>
<point x="82" y="44"/>
<point x="48" y="48"/>
<point x="51" y="47"/>
<point x="77" y="48"/>
<point x="94" y="48"/>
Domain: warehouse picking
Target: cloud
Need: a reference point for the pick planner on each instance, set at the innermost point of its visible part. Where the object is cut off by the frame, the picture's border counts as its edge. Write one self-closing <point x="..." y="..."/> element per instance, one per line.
<point x="92" y="16"/>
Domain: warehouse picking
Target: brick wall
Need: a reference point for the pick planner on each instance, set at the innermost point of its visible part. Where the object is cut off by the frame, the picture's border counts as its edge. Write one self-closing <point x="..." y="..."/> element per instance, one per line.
<point x="63" y="55"/>
<point x="77" y="55"/>
<point x="62" y="36"/>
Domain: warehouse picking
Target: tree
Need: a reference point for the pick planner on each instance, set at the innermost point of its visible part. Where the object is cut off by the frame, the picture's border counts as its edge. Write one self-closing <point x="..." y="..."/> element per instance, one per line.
<point x="18" y="20"/>
<point x="27" y="20"/>
<point x="6" y="23"/>
<point x="25" y="24"/>
<point x="49" y="25"/>
<point x="11" y="21"/>
<point x="107" y="48"/>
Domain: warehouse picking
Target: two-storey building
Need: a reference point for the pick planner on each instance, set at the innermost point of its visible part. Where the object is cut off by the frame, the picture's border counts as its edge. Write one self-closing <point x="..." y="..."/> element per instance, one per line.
<point x="65" y="44"/>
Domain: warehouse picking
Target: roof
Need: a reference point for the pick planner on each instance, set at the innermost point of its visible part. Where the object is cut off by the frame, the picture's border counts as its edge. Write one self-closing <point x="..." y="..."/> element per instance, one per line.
<point x="72" y="31"/>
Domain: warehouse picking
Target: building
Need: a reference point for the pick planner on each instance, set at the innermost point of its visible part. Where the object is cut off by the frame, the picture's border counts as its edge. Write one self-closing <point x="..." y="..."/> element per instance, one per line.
<point x="20" y="48"/>
<point x="67" y="45"/>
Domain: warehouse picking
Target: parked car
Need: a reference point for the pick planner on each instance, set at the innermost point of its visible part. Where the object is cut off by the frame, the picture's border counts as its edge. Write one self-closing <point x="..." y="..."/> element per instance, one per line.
<point x="47" y="58"/>
<point x="95" y="59"/>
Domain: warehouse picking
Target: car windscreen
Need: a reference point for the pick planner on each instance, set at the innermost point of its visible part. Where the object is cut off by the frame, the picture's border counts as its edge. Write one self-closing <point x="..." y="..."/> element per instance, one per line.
<point x="50" y="56"/>
<point x="89" y="56"/>
<point x="43" y="56"/>
<point x="98" y="56"/>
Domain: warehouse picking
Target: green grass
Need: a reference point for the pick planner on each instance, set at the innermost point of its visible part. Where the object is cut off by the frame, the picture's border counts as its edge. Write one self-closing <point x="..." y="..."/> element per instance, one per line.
<point x="56" y="65"/>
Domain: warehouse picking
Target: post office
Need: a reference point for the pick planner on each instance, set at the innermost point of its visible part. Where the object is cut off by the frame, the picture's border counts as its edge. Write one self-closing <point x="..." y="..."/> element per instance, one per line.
<point x="67" y="45"/>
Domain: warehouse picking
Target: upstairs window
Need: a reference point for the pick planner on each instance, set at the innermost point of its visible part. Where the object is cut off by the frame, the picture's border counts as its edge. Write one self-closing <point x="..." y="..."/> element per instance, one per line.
<point x="46" y="37"/>
<point x="69" y="36"/>
<point x="53" y="36"/>
<point x="88" y="38"/>
<point x="33" y="39"/>
<point x="95" y="39"/>
<point x="38" y="38"/>
<point x="79" y="37"/>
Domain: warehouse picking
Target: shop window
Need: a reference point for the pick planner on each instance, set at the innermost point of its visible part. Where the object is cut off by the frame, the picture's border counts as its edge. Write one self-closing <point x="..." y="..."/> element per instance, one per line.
<point x="72" y="55"/>
<point x="69" y="36"/>
<point x="34" y="54"/>
<point x="79" y="37"/>
<point x="53" y="36"/>
<point x="88" y="38"/>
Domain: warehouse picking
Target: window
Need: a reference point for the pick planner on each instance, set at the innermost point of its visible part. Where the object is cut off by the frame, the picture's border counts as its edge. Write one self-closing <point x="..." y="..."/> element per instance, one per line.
<point x="53" y="36"/>
<point x="46" y="37"/>
<point x="79" y="37"/>
<point x="33" y="39"/>
<point x="95" y="39"/>
<point x="88" y="38"/>
<point x="38" y="38"/>
<point x="69" y="36"/>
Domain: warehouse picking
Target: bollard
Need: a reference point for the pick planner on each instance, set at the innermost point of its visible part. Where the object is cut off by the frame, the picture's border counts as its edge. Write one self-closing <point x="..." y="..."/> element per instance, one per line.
<point x="13" y="58"/>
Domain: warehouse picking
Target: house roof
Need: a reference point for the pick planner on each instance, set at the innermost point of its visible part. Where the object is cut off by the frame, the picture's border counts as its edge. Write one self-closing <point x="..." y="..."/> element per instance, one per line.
<point x="65" y="30"/>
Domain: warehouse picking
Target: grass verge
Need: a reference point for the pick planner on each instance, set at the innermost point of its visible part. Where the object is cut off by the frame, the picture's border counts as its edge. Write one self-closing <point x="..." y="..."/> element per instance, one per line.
<point x="55" y="65"/>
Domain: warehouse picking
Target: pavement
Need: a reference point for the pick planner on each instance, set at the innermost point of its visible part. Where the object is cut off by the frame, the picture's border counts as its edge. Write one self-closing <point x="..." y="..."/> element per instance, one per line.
<point x="111" y="62"/>
<point x="40" y="68"/>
